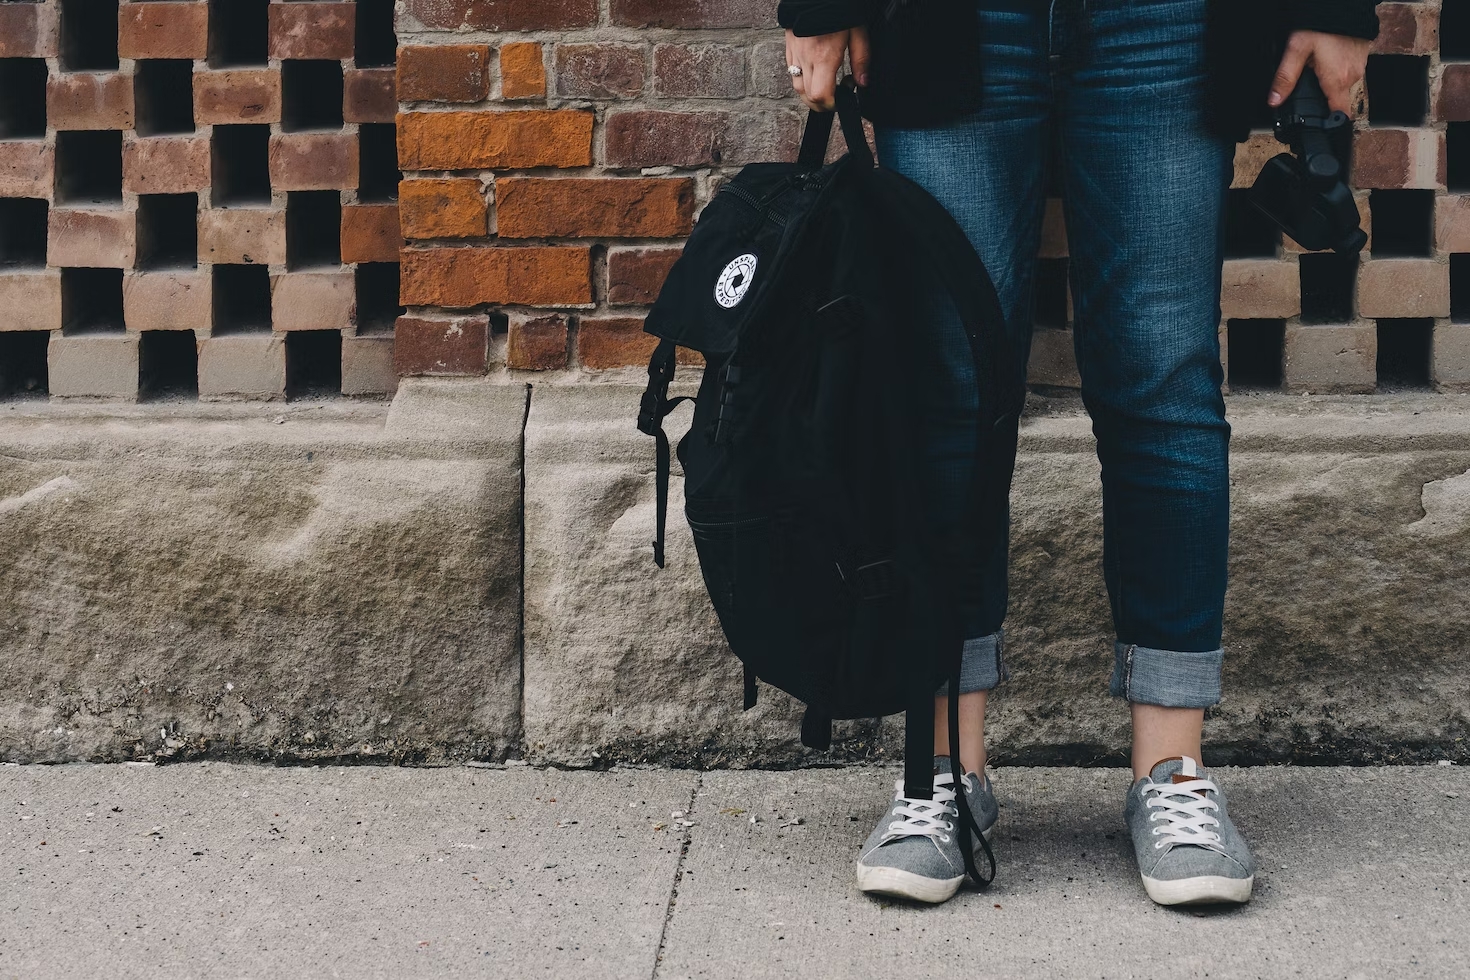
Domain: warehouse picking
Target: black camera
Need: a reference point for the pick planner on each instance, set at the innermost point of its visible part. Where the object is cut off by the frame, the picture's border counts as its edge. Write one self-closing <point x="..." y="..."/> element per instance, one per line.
<point x="1305" y="192"/>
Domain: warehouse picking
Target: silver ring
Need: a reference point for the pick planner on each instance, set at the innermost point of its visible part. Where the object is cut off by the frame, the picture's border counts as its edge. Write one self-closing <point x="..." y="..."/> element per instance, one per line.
<point x="794" y="71"/>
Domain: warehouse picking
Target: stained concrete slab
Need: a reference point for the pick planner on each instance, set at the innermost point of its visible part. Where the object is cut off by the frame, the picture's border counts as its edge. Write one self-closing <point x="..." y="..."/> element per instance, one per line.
<point x="1364" y="873"/>
<point x="314" y="580"/>
<point x="217" y="870"/>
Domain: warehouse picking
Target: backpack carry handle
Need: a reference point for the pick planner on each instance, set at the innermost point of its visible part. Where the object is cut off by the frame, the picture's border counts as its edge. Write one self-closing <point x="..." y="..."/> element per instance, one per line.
<point x="819" y="129"/>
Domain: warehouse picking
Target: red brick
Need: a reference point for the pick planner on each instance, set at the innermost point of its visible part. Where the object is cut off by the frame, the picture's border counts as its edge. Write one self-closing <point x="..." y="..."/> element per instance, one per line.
<point x="522" y="71"/>
<point x="168" y="299"/>
<point x="464" y="277"/>
<point x="26" y="168"/>
<point x="314" y="300"/>
<point x="768" y="70"/>
<point x="614" y="342"/>
<point x="242" y="236"/>
<point x="649" y="138"/>
<point x="240" y="95"/>
<point x="31" y="299"/>
<point x="1452" y="223"/>
<point x="370" y="233"/>
<point x="163" y="30"/>
<point x="1393" y="158"/>
<point x="1452" y="94"/>
<point x="537" y="344"/>
<point x="693" y="13"/>
<point x="313" y="161"/>
<point x="699" y="71"/>
<point x="446" y="208"/>
<point x="535" y="207"/>
<point x="1389" y="288"/>
<point x="89" y="100"/>
<point x="442" y="345"/>
<point x="313" y="30"/>
<point x="495" y="140"/>
<point x="505" y="15"/>
<point x="600" y="71"/>
<point x="1251" y="157"/>
<point x="369" y="96"/>
<point x="166" y="165"/>
<point x="95" y="239"/>
<point x="1407" y="28"/>
<point x="444" y="73"/>
<point x="29" y="30"/>
<point x="1260" y="289"/>
<point x="636" y="275"/>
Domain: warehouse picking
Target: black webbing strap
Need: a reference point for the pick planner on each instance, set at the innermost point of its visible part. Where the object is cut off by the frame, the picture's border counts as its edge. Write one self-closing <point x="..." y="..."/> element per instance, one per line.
<point x="818" y="133"/>
<point x="816" y="729"/>
<point x="969" y="828"/>
<point x="918" y="744"/>
<point x="655" y="407"/>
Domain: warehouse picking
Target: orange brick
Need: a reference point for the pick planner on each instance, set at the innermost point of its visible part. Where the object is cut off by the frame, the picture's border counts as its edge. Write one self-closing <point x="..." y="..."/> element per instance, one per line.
<point x="370" y="233"/>
<point x="163" y="30"/>
<point x="534" y="207"/>
<point x="451" y="208"/>
<point x="26" y="168"/>
<point x="537" y="344"/>
<point x="635" y="276"/>
<point x="522" y="71"/>
<point x="613" y="342"/>
<point x="464" y="277"/>
<point x="444" y="73"/>
<point x="495" y="140"/>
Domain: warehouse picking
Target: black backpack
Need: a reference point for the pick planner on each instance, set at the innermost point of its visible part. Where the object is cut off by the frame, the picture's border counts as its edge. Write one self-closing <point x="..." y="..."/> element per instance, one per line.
<point x="836" y="570"/>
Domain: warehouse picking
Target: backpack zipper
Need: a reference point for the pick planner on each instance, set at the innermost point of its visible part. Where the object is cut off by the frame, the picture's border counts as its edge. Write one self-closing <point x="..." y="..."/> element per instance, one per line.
<point x="764" y="209"/>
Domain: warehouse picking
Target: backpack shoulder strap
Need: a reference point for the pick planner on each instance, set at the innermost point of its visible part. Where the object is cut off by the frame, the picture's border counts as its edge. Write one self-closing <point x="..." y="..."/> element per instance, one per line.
<point x="656" y="407"/>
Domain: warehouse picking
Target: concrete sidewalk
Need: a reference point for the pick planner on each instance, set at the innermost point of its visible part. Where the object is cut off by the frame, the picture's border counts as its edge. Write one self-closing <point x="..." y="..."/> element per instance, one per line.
<point x="217" y="870"/>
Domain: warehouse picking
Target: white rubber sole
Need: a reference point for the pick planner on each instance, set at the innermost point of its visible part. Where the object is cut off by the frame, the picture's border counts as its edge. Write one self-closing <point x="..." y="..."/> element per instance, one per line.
<point x="897" y="883"/>
<point x="1204" y="890"/>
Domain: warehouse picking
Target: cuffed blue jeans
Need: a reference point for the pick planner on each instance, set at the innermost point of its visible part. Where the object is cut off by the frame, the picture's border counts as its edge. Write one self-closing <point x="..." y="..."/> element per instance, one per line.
<point x="1121" y="85"/>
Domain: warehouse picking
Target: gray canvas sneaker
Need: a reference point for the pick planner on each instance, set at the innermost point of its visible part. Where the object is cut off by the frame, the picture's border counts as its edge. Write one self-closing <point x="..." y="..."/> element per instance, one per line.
<point x="1189" y="852"/>
<point x="914" y="852"/>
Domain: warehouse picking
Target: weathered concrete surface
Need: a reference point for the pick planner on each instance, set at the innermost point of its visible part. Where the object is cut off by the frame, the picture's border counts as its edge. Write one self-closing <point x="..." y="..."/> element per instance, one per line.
<point x="317" y="580"/>
<point x="210" y="870"/>
<point x="1348" y="631"/>
<point x="216" y="870"/>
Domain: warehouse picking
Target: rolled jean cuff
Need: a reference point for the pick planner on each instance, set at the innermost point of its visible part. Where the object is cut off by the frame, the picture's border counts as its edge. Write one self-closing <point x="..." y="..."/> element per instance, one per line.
<point x="983" y="667"/>
<point x="1166" y="678"/>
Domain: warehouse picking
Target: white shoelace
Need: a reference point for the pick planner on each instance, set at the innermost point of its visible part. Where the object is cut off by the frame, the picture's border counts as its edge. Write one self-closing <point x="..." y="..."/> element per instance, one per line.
<point x="926" y="818"/>
<point x="1187" y="816"/>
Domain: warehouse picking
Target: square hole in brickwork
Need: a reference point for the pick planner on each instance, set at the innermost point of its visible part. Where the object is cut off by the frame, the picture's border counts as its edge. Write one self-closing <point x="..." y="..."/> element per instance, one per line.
<point x="1248" y="233"/>
<point x="313" y="229"/>
<point x="1328" y="284"/>
<point x="91" y="301"/>
<point x="378" y="173"/>
<point x="1403" y="353"/>
<point x="89" y="167"/>
<point x="1398" y="90"/>
<point x="1257" y="351"/>
<point x="239" y="32"/>
<point x="1454" y="30"/>
<point x="377" y="44"/>
<point x="1460" y="288"/>
<point x="1457" y="156"/>
<point x="313" y="363"/>
<point x="22" y="98"/>
<point x="22" y="231"/>
<point x="311" y="95"/>
<point x="1403" y="223"/>
<point x="23" y="363"/>
<point x="242" y="298"/>
<point x="168" y="363"/>
<point x="1050" y="292"/>
<point x="89" y="35"/>
<point x="163" y="97"/>
<point x="240" y="161"/>
<point x="377" y="297"/>
<point x="168" y="231"/>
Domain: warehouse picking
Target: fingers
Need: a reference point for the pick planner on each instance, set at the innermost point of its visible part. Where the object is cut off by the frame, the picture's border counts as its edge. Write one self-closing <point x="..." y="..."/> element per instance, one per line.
<point x="819" y="59"/>
<point x="860" y="53"/>
<point x="1298" y="51"/>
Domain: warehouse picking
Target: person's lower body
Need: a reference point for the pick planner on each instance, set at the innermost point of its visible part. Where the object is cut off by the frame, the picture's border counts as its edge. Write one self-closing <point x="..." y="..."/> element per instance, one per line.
<point x="1119" y="85"/>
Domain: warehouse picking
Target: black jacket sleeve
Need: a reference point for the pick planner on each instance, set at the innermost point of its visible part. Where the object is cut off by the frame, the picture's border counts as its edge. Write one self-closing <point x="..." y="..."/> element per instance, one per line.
<point x="1353" y="18"/>
<point x="810" y="18"/>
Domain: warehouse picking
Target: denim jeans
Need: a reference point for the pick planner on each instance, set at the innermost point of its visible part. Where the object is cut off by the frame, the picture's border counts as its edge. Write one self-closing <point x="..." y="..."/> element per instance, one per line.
<point x="1120" y="83"/>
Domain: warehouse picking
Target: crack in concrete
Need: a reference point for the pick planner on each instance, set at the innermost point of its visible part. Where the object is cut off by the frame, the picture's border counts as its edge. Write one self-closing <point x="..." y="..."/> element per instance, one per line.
<point x="663" y="935"/>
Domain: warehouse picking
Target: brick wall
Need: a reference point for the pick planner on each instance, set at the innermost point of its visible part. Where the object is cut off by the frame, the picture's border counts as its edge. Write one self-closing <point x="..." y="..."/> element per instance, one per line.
<point x="187" y="204"/>
<point x="197" y="197"/>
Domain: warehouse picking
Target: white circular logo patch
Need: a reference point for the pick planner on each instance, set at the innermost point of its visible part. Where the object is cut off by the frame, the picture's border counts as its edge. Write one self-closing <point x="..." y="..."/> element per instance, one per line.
<point x="735" y="281"/>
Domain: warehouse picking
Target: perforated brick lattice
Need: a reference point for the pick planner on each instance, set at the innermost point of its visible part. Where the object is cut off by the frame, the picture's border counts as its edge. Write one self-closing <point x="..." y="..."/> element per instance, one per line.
<point x="183" y="204"/>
